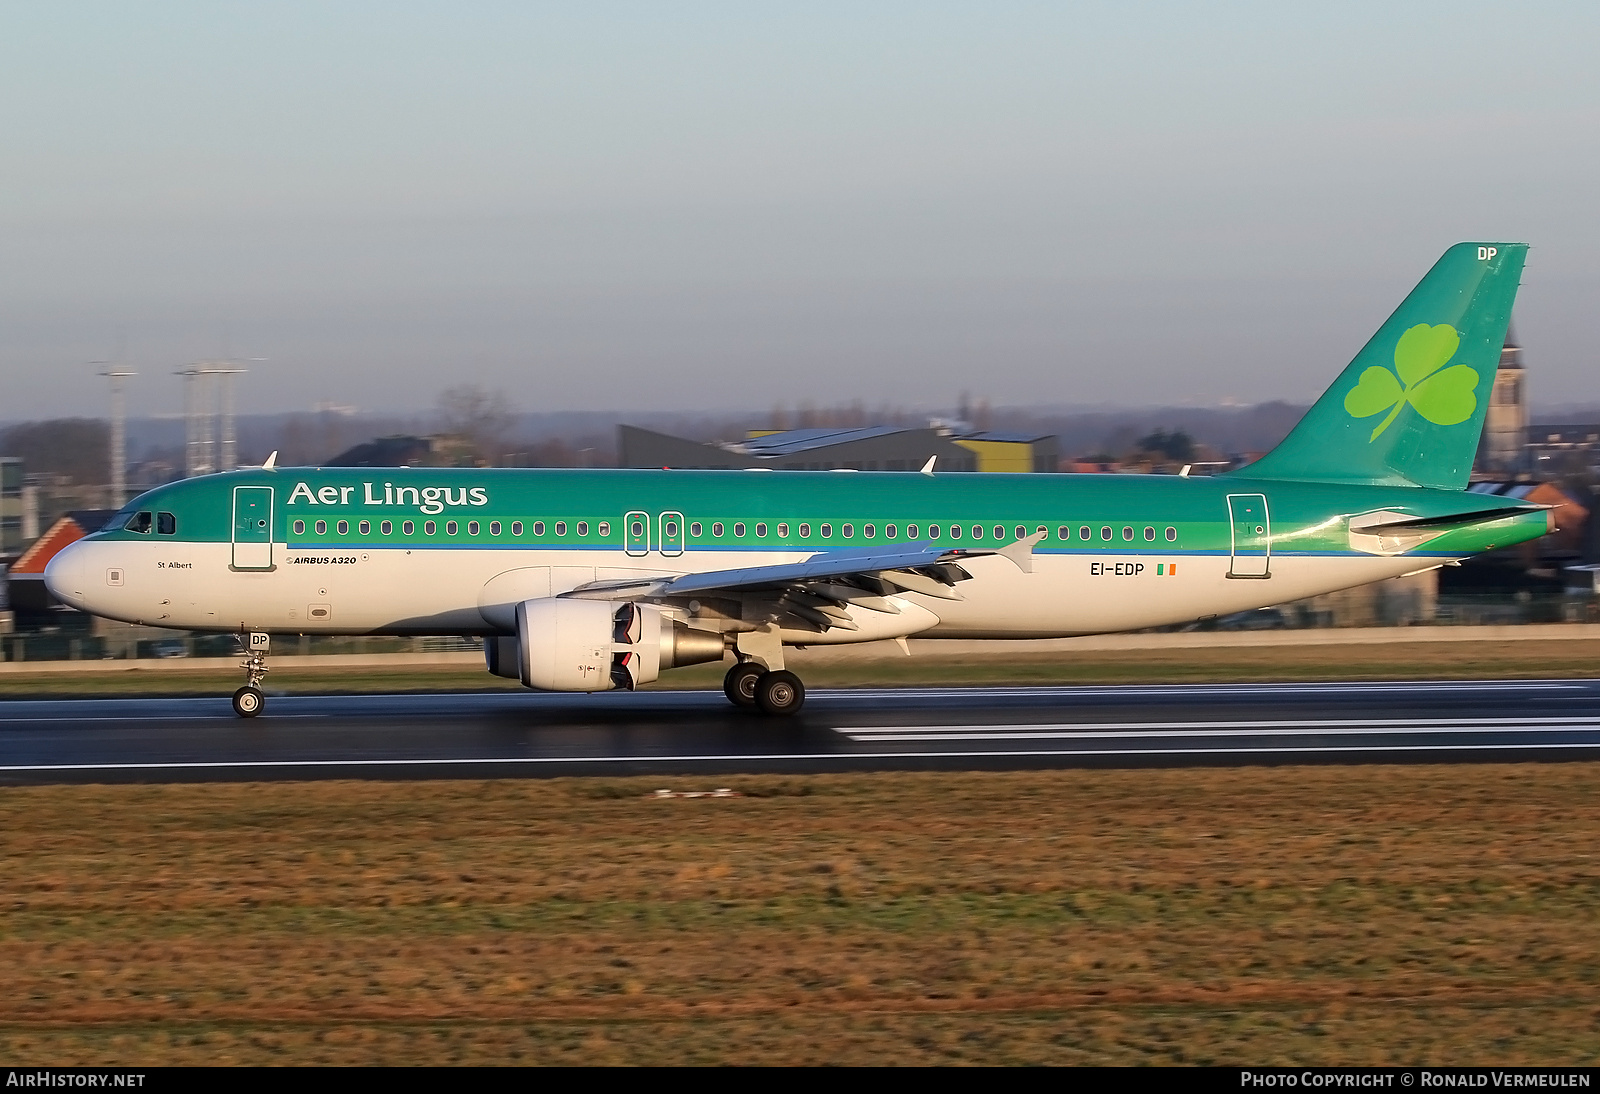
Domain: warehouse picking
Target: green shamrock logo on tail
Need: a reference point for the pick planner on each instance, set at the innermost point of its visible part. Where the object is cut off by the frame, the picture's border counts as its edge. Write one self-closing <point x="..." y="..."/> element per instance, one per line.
<point x="1444" y="398"/>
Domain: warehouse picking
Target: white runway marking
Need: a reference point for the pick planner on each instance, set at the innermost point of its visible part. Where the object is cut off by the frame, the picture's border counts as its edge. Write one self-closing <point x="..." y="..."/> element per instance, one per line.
<point x="1269" y="728"/>
<point x="818" y="757"/>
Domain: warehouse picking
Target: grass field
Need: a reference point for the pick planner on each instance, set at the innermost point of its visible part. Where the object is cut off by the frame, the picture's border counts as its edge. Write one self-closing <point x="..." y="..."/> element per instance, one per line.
<point x="1391" y="661"/>
<point x="1271" y="915"/>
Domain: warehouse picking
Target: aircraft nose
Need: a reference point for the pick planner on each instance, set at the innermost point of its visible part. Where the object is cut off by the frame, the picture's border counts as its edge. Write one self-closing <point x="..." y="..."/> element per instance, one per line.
<point x="66" y="575"/>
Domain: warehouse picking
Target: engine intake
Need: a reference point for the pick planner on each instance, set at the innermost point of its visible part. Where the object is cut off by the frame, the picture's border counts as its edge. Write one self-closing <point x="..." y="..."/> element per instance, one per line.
<point x="590" y="645"/>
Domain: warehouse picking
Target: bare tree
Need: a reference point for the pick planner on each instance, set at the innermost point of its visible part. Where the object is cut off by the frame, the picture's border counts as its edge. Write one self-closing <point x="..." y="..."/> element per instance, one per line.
<point x="481" y="419"/>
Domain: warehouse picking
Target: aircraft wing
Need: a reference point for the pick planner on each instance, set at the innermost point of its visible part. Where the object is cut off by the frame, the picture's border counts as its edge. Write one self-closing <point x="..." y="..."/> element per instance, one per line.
<point x="816" y="589"/>
<point x="823" y="564"/>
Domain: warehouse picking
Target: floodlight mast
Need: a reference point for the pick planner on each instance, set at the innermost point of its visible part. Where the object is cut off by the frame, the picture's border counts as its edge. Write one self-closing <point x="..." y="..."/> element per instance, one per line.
<point x="203" y="453"/>
<point x="116" y="373"/>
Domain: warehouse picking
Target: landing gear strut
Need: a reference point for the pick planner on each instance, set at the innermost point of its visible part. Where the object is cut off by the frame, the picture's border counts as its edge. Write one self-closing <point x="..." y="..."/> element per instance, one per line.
<point x="749" y="685"/>
<point x="248" y="700"/>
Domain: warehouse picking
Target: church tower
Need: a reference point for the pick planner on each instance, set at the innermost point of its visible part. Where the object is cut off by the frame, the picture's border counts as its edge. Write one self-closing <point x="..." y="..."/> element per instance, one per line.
<point x="1503" y="453"/>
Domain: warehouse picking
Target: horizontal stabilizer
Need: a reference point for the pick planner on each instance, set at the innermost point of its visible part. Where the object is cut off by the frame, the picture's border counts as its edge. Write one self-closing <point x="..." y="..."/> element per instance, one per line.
<point x="1445" y="523"/>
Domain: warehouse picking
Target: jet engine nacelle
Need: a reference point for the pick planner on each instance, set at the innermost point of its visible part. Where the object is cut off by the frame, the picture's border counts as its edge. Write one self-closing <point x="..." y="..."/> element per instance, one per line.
<point x="591" y="645"/>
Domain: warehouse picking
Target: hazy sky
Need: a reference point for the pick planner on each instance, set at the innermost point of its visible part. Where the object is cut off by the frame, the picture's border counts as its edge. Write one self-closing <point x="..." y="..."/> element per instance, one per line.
<point x="679" y="205"/>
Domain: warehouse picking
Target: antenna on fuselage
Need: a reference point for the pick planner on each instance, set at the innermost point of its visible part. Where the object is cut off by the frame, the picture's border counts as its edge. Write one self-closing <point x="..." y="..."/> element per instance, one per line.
<point x="927" y="468"/>
<point x="272" y="462"/>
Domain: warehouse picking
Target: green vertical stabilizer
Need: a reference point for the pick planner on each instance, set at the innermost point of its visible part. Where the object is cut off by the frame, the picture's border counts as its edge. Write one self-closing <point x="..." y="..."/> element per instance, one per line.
<point x="1408" y="411"/>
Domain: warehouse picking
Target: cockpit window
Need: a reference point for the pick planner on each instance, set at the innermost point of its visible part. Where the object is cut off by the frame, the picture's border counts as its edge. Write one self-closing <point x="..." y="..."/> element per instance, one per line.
<point x="166" y="524"/>
<point x="140" y="522"/>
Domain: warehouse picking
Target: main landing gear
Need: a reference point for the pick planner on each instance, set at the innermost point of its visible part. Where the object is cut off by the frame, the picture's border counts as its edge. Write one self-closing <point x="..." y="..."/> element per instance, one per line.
<point x="749" y="685"/>
<point x="248" y="700"/>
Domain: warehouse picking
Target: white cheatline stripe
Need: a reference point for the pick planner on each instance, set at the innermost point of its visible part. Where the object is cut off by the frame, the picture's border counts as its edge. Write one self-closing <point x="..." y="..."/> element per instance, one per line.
<point x="1284" y="728"/>
<point x="841" y="757"/>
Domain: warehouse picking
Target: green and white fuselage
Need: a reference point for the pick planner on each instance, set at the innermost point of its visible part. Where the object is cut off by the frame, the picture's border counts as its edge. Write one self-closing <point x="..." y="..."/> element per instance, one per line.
<point x="1118" y="552"/>
<point x="587" y="580"/>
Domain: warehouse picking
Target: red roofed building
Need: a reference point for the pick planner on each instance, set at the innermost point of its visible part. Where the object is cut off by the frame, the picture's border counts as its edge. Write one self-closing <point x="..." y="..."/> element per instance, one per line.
<point x="26" y="578"/>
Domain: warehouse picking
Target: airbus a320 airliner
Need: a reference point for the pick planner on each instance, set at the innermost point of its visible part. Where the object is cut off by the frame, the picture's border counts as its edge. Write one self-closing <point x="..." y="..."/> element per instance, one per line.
<point x="595" y="580"/>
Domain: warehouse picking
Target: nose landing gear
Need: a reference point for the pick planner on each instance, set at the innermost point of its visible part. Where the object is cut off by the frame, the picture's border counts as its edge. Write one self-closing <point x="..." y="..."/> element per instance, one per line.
<point x="248" y="700"/>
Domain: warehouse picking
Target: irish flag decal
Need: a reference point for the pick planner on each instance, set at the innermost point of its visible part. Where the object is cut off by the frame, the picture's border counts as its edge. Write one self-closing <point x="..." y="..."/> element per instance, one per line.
<point x="1166" y="569"/>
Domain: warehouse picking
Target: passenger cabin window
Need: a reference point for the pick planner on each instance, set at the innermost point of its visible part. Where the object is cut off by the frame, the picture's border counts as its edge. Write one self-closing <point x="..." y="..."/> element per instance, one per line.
<point x="605" y="528"/>
<point x="344" y="528"/>
<point x="761" y="530"/>
<point x="1022" y="533"/>
<point x="716" y="529"/>
<point x="387" y="527"/>
<point x="449" y="527"/>
<point x="889" y="531"/>
<point x="166" y="524"/>
<point x="933" y="531"/>
<point x="694" y="529"/>
<point x="738" y="529"/>
<point x="538" y="529"/>
<point x="849" y="530"/>
<point x="805" y="531"/>
<point x="365" y="527"/>
<point x="472" y="527"/>
<point x="1127" y="533"/>
<point x="1063" y="533"/>
<point x="561" y="527"/>
<point x="911" y="531"/>
<point x="977" y="531"/>
<point x="1083" y="533"/>
<point x="1105" y="533"/>
<point x="494" y="528"/>
<point x="516" y="527"/>
<point x="866" y="531"/>
<point x="322" y="527"/>
<point x="955" y="531"/>
<point x="409" y="528"/>
<point x="783" y="531"/>
<point x="827" y="531"/>
<point x="1149" y="535"/>
<point x="139" y="522"/>
<point x="583" y="528"/>
<point x="299" y="527"/>
<point x="428" y="528"/>
<point x="1172" y="535"/>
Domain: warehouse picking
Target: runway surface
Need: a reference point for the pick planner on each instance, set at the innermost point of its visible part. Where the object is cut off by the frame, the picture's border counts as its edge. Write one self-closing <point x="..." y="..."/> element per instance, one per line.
<point x="663" y="732"/>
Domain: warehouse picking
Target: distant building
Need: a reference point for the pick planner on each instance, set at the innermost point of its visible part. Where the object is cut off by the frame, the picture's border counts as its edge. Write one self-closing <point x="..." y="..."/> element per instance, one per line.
<point x="25" y="581"/>
<point x="1564" y="449"/>
<point x="11" y="506"/>
<point x="873" y="448"/>
<point x="406" y="451"/>
<point x="402" y="451"/>
<point x="1014" y="452"/>
<point x="1503" y="451"/>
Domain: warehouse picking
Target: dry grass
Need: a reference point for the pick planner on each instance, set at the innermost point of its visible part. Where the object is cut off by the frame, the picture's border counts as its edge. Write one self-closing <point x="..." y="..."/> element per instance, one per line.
<point x="1260" y="915"/>
<point x="1388" y="661"/>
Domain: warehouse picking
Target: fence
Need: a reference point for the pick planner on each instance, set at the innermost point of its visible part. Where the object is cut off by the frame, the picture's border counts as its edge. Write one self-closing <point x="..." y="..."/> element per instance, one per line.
<point x="64" y="647"/>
